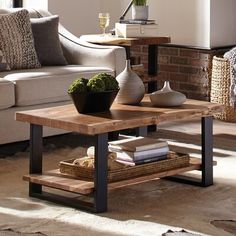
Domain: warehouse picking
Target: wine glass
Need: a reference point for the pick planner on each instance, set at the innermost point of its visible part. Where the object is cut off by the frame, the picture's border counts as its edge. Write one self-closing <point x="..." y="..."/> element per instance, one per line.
<point x="104" y="19"/>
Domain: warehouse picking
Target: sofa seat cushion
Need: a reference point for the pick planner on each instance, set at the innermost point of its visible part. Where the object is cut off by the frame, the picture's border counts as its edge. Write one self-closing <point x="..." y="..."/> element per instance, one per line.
<point x="47" y="84"/>
<point x="7" y="94"/>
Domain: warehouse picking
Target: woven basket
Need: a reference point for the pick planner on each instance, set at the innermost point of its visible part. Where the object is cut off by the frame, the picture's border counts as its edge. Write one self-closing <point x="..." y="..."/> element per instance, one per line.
<point x="176" y="160"/>
<point x="220" y="88"/>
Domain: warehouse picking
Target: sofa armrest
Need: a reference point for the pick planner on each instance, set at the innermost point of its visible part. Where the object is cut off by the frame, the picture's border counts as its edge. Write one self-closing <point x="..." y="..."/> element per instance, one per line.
<point x="80" y="52"/>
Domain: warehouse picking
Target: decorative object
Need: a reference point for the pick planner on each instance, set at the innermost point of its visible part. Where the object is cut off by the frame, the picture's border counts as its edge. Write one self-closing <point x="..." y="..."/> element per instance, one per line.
<point x="166" y="97"/>
<point x="94" y="95"/>
<point x="139" y="10"/>
<point x="47" y="42"/>
<point x="104" y="20"/>
<point x="220" y="88"/>
<point x="131" y="86"/>
<point x="174" y="160"/>
<point x="16" y="40"/>
<point x="135" y="30"/>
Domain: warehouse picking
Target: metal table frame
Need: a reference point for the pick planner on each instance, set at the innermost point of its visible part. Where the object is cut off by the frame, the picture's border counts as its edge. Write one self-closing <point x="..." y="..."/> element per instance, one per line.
<point x="100" y="179"/>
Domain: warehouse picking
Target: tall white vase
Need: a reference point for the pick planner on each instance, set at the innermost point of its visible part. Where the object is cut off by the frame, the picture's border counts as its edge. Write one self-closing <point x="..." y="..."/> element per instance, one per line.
<point x="132" y="89"/>
<point x="166" y="97"/>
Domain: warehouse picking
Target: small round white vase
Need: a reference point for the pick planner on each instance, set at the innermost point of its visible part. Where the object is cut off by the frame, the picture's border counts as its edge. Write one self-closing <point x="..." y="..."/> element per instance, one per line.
<point x="166" y="97"/>
<point x="132" y="89"/>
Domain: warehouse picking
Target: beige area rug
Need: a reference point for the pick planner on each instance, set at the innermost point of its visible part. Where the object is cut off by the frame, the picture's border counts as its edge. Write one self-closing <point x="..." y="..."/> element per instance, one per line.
<point x="150" y="208"/>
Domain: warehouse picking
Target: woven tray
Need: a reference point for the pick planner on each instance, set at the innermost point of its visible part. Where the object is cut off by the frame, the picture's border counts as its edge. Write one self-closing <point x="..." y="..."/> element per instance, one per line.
<point x="220" y="88"/>
<point x="175" y="160"/>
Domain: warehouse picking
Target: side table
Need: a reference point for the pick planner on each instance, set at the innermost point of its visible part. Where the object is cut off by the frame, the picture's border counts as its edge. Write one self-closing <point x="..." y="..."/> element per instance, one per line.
<point x="127" y="43"/>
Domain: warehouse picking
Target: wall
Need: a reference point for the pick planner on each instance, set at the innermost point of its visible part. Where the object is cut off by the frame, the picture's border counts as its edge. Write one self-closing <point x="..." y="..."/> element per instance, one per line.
<point x="42" y="4"/>
<point x="79" y="17"/>
<point x="223" y="18"/>
<point x="202" y="23"/>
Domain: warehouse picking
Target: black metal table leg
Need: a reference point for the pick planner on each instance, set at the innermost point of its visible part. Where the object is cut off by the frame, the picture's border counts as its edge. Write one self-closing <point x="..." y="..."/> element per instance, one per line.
<point x="141" y="131"/>
<point x="152" y="71"/>
<point x="152" y="66"/>
<point x="36" y="148"/>
<point x="100" y="175"/>
<point x="207" y="151"/>
<point x="207" y="157"/>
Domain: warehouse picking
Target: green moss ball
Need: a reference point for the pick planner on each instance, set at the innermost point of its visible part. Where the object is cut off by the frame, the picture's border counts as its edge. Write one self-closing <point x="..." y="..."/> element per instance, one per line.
<point x="109" y="80"/>
<point x="78" y="86"/>
<point x="96" y="85"/>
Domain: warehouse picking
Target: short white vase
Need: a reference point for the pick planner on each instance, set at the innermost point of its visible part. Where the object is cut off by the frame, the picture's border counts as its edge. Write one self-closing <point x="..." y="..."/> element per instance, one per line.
<point x="166" y="97"/>
<point x="139" y="12"/>
<point x="132" y="89"/>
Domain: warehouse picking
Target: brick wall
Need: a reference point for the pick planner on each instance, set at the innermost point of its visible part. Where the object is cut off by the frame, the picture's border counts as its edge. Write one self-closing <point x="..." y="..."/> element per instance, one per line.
<point x="187" y="69"/>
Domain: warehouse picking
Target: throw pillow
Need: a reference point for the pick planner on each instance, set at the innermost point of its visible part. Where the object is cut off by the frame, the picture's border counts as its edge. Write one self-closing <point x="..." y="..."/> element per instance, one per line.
<point x="16" y="40"/>
<point x="46" y="39"/>
<point x="3" y="64"/>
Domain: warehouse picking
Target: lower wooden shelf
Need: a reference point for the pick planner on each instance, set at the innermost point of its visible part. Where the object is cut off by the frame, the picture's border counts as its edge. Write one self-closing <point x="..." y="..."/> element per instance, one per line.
<point x="54" y="179"/>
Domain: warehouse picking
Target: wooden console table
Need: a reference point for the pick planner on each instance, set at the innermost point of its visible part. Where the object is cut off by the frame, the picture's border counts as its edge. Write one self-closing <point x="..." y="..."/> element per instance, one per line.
<point x="98" y="125"/>
<point x="152" y="43"/>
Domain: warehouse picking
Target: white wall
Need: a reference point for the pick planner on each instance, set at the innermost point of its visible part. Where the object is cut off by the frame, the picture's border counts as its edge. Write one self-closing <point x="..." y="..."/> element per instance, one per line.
<point x="223" y="22"/>
<point x="78" y="16"/>
<point x="42" y="4"/>
<point x="203" y="23"/>
<point x="186" y="21"/>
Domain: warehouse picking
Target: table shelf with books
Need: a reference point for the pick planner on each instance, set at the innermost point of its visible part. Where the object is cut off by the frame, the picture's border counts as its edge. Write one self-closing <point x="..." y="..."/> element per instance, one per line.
<point x="85" y="186"/>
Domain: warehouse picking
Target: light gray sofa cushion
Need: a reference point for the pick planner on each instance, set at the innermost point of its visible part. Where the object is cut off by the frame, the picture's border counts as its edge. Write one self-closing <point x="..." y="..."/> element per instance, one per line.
<point x="47" y="84"/>
<point x="7" y="94"/>
<point x="46" y="41"/>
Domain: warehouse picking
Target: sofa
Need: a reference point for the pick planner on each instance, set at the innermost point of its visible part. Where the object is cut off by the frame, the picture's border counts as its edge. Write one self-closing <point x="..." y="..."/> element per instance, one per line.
<point x="27" y="89"/>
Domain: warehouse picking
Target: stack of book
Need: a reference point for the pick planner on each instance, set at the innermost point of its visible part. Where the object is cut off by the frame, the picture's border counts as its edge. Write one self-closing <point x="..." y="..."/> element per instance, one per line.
<point x="139" y="150"/>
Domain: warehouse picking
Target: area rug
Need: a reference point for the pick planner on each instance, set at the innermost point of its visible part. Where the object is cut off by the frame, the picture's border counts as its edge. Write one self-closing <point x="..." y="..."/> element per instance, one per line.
<point x="157" y="207"/>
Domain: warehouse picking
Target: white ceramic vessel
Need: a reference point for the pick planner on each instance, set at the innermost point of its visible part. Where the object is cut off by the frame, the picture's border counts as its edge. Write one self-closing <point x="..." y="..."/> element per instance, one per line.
<point x="166" y="97"/>
<point x="132" y="89"/>
<point x="139" y="12"/>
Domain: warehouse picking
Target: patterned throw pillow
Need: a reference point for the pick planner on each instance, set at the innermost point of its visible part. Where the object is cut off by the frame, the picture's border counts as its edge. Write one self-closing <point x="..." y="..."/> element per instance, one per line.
<point x="3" y="64"/>
<point x="16" y="40"/>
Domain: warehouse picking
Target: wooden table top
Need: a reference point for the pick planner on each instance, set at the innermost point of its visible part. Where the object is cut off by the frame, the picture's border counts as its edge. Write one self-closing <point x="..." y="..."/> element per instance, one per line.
<point x="119" y="117"/>
<point x="113" y="40"/>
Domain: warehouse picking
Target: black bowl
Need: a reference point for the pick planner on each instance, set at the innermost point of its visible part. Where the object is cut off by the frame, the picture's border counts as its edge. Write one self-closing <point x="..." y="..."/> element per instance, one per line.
<point x="93" y="102"/>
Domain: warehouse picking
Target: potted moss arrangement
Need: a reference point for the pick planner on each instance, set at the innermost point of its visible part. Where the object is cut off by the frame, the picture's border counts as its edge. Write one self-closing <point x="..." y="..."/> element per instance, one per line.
<point x="95" y="94"/>
<point x="139" y="10"/>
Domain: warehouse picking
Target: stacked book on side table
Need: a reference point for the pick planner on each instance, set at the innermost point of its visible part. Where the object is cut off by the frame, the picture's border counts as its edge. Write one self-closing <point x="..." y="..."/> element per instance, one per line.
<point x="139" y="150"/>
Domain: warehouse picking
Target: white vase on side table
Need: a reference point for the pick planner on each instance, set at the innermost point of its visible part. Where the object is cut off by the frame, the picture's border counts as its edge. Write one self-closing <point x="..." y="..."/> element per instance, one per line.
<point x="132" y="89"/>
<point x="166" y="97"/>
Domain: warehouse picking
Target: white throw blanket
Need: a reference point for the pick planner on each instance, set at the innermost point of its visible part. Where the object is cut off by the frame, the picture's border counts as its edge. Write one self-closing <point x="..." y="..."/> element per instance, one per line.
<point x="231" y="56"/>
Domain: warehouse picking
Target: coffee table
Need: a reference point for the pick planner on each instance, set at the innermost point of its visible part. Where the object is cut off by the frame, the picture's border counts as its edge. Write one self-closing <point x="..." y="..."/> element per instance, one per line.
<point x="98" y="125"/>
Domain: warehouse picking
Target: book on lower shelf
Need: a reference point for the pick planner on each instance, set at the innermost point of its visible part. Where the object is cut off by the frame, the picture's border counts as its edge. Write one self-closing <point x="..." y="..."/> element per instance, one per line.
<point x="135" y="144"/>
<point x="141" y="155"/>
<point x="131" y="162"/>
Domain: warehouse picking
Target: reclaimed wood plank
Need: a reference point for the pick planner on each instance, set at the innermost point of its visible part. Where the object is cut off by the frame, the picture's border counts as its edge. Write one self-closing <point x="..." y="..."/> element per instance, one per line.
<point x="61" y="182"/>
<point x="113" y="40"/>
<point x="117" y="118"/>
<point x="195" y="164"/>
<point x="55" y="179"/>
